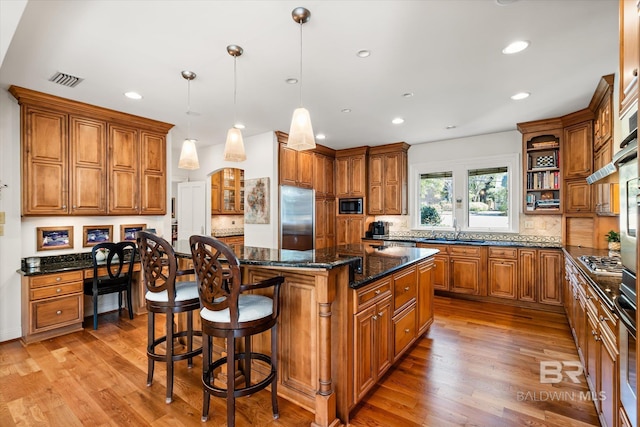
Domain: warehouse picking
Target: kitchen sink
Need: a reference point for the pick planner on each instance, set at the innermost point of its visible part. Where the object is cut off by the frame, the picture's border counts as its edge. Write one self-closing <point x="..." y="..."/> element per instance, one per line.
<point x="449" y="239"/>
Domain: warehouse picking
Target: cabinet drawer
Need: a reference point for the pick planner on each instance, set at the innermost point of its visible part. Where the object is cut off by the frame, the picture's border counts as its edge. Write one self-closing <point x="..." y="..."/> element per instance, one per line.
<point x="55" y="291"/>
<point x="405" y="288"/>
<point x="511" y="253"/>
<point x="56" y="312"/>
<point x="52" y="279"/>
<point x="444" y="249"/>
<point x="465" y="250"/>
<point x="404" y="330"/>
<point x="372" y="293"/>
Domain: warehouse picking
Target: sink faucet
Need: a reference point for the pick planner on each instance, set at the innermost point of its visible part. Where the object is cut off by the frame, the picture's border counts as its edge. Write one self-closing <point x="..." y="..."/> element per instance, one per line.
<point x="456" y="229"/>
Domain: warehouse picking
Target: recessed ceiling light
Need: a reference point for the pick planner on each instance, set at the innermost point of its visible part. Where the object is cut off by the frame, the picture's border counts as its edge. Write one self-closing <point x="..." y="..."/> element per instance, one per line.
<point x="345" y="110"/>
<point x="363" y="53"/>
<point x="519" y="96"/>
<point x="407" y="94"/>
<point x="133" y="95"/>
<point x="451" y="127"/>
<point x="320" y="136"/>
<point x="397" y="121"/>
<point x="238" y="126"/>
<point x="515" y="47"/>
<point x="292" y="81"/>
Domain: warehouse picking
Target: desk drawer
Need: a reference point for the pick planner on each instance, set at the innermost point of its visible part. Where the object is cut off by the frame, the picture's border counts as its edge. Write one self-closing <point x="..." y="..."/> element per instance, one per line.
<point x="372" y="293"/>
<point x="56" y="291"/>
<point x="56" y="312"/>
<point x="53" y="279"/>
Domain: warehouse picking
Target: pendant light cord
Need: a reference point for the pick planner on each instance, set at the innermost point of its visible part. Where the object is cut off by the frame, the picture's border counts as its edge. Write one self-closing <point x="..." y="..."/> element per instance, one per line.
<point x="235" y="85"/>
<point x="301" y="63"/>
<point x="188" y="108"/>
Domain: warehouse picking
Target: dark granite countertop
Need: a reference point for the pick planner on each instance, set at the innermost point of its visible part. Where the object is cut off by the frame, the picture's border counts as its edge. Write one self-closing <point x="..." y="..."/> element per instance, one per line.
<point x="61" y="264"/>
<point x="471" y="241"/>
<point x="606" y="286"/>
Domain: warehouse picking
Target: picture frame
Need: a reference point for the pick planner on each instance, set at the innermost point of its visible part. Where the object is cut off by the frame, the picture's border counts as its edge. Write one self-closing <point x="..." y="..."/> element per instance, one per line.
<point x="256" y="205"/>
<point x="52" y="238"/>
<point x="128" y="231"/>
<point x="94" y="234"/>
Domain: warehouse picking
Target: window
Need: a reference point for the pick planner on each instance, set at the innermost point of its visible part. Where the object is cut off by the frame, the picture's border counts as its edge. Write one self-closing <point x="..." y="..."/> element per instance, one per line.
<point x="476" y="194"/>
<point x="436" y="199"/>
<point x="488" y="198"/>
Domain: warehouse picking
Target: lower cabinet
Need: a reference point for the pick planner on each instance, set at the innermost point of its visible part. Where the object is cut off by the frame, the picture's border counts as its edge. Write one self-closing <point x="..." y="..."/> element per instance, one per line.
<point x="466" y="270"/>
<point x="52" y="305"/>
<point x="503" y="272"/>
<point x="425" y="295"/>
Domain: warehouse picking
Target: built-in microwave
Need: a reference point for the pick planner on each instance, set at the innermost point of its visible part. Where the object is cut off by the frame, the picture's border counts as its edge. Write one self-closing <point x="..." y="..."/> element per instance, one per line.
<point x="350" y="206"/>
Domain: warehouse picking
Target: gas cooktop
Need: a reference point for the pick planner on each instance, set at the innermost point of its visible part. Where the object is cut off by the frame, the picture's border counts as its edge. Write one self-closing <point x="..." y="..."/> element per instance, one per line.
<point x="602" y="264"/>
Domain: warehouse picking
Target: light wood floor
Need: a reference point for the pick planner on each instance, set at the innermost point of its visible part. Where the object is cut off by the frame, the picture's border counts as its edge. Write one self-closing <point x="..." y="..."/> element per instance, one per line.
<point x="477" y="366"/>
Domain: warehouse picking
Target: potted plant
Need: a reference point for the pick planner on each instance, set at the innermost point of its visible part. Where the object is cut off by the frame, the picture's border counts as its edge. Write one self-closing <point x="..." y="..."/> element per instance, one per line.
<point x="613" y="237"/>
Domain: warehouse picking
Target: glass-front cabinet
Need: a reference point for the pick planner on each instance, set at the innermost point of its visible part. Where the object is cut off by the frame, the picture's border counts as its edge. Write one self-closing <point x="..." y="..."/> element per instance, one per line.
<point x="227" y="191"/>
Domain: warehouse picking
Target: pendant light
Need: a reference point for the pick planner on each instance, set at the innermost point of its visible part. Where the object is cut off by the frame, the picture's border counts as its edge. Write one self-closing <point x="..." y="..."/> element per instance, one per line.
<point x="234" y="147"/>
<point x="189" y="155"/>
<point x="301" y="131"/>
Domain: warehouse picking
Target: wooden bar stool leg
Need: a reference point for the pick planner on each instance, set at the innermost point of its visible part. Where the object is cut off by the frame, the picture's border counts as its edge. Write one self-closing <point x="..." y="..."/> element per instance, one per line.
<point x="206" y="361"/>
<point x="274" y="364"/>
<point x="247" y="360"/>
<point x="189" y="337"/>
<point x="169" y="357"/>
<point x="151" y="337"/>
<point x="231" y="380"/>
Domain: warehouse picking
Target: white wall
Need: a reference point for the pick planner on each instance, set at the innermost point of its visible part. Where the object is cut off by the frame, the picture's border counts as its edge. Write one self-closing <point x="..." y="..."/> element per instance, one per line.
<point x="262" y="161"/>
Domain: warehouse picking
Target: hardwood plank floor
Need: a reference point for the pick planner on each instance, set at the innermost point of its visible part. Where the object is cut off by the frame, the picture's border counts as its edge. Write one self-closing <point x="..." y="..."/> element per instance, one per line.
<point x="477" y="366"/>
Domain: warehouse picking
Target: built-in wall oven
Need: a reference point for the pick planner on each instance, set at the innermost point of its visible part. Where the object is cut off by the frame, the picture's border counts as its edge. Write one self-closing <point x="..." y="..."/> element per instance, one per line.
<point x="626" y="309"/>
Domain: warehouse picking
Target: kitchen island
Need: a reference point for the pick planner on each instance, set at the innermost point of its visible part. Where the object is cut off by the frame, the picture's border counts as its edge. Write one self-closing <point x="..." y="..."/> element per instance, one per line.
<point x="348" y="313"/>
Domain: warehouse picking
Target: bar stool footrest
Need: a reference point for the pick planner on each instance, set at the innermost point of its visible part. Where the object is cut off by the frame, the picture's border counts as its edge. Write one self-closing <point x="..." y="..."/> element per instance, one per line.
<point x="207" y="377"/>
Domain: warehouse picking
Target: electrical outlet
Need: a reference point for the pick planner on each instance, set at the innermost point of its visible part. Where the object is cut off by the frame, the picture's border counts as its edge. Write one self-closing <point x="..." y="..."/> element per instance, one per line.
<point x="528" y="224"/>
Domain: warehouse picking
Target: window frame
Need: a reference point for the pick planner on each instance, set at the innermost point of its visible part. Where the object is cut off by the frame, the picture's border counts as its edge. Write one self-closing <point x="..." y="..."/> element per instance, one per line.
<point x="460" y="171"/>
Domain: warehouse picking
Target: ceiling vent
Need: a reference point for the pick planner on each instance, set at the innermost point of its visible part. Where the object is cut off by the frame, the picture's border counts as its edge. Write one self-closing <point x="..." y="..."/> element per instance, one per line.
<point x="65" y="79"/>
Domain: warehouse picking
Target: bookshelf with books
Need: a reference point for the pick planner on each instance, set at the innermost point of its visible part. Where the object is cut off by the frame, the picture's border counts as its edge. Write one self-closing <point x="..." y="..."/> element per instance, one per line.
<point x="542" y="173"/>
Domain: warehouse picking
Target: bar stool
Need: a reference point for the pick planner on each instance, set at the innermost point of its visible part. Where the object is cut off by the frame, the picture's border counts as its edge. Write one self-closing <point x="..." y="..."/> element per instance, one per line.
<point x="165" y="295"/>
<point x="228" y="313"/>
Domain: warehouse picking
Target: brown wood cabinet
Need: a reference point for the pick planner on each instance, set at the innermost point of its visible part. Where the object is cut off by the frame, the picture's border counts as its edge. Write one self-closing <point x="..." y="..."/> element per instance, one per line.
<point x="502" y="273"/>
<point x="325" y="223"/>
<point x="296" y="167"/>
<point x="629" y="54"/>
<point x="79" y="159"/>
<point x="550" y="276"/>
<point x="351" y="172"/>
<point x="387" y="190"/>
<point x="425" y="271"/>
<point x="350" y="229"/>
<point x="52" y="305"/>
<point x="527" y="274"/>
<point x="467" y="269"/>
<point x="577" y="150"/>
<point x="578" y="196"/>
<point x="323" y="175"/>
<point x="227" y="192"/>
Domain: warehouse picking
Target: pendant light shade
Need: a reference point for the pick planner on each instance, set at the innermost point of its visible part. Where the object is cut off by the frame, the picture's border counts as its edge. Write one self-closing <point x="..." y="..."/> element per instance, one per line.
<point x="234" y="146"/>
<point x="301" y="132"/>
<point x="188" y="155"/>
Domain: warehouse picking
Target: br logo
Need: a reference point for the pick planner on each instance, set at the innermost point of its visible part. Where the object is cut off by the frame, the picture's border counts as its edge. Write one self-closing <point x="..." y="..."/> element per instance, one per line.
<point x="552" y="371"/>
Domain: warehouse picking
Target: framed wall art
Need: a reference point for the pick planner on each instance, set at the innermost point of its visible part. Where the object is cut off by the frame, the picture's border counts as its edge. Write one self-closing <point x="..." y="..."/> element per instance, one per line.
<point x="256" y="206"/>
<point x="128" y="231"/>
<point x="94" y="234"/>
<point x="49" y="238"/>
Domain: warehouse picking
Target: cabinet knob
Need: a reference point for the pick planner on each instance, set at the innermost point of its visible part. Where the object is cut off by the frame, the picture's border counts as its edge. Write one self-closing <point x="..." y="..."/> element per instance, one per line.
<point x="406" y="289"/>
<point x="602" y="318"/>
<point x="64" y="206"/>
<point x="58" y="290"/>
<point x="59" y="312"/>
<point x="406" y="331"/>
<point x="380" y="314"/>
<point x="74" y="206"/>
<point x="377" y="292"/>
<point x="375" y="317"/>
<point x="58" y="279"/>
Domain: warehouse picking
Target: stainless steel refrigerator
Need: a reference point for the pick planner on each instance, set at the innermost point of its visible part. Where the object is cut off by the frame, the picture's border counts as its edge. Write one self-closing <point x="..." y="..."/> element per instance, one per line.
<point x="297" y="218"/>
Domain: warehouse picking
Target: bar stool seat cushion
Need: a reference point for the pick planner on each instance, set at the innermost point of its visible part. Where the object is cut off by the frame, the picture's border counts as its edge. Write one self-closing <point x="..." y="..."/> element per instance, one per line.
<point x="250" y="307"/>
<point x="184" y="291"/>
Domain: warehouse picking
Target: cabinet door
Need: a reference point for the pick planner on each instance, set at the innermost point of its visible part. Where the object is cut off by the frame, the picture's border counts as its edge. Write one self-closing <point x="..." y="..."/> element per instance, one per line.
<point x="330" y="222"/>
<point x="44" y="162"/>
<point x="216" y="200"/>
<point x="425" y="295"/>
<point x="527" y="267"/>
<point x="393" y="194"/>
<point x="320" y="224"/>
<point x="304" y="165"/>
<point x="123" y="163"/>
<point x="228" y="191"/>
<point x="602" y="126"/>
<point x="465" y="275"/>
<point x="592" y="357"/>
<point x="342" y="228"/>
<point x="603" y="156"/>
<point x="502" y="278"/>
<point x="355" y="231"/>
<point x="320" y="177"/>
<point x="629" y="54"/>
<point x="288" y="172"/>
<point x="577" y="152"/>
<point x="88" y="166"/>
<point x="342" y="177"/>
<point x="329" y="175"/>
<point x="609" y="383"/>
<point x="441" y="272"/>
<point x="577" y="196"/>
<point x="383" y="336"/>
<point x="357" y="176"/>
<point x="376" y="185"/>
<point x="153" y="165"/>
<point x="550" y="278"/>
<point x="365" y="372"/>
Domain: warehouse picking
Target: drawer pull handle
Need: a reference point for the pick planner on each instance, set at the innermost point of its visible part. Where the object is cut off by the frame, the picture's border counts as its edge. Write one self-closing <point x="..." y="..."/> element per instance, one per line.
<point x="406" y="289"/>
<point x="58" y="279"/>
<point x="375" y="317"/>
<point x="377" y="292"/>
<point x="58" y="290"/>
<point x="602" y="318"/>
<point x="406" y="331"/>
<point x="59" y="312"/>
<point x="380" y="314"/>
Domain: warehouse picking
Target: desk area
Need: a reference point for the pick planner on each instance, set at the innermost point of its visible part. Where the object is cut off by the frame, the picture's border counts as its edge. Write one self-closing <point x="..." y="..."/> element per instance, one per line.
<point x="325" y="301"/>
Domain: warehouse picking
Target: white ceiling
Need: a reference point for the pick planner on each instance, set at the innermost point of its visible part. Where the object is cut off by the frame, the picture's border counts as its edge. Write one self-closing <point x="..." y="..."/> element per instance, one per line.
<point x="446" y="52"/>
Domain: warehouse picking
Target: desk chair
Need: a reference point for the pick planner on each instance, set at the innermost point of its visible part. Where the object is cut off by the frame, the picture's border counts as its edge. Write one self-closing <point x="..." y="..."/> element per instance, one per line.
<point x="166" y="295"/>
<point x="117" y="260"/>
<point x="228" y="313"/>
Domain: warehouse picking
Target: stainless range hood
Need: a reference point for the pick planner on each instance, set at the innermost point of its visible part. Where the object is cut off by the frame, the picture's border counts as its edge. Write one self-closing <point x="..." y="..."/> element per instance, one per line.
<point x="630" y="145"/>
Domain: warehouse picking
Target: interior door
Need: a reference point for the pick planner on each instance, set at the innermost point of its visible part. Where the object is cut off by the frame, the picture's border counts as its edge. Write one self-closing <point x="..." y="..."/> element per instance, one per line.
<point x="192" y="214"/>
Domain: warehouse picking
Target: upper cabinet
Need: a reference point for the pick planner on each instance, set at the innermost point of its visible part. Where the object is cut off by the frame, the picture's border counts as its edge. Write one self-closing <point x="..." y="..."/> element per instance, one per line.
<point x="577" y="150"/>
<point x="629" y="53"/>
<point x="388" y="179"/>
<point x="78" y="159"/>
<point x="351" y="172"/>
<point x="296" y="167"/>
<point x="227" y="192"/>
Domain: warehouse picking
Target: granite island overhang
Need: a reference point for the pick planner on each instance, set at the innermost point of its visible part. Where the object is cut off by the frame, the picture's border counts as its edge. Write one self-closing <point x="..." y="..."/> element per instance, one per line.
<point x="326" y="363"/>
